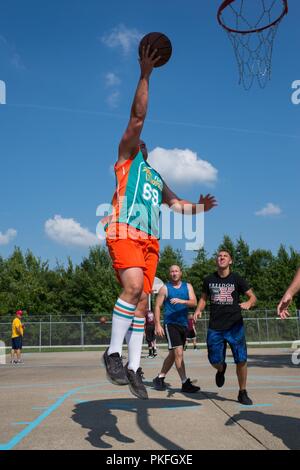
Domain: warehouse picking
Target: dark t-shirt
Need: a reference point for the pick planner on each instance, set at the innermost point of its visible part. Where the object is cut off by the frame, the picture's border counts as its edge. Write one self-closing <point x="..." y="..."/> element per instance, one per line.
<point x="224" y="296"/>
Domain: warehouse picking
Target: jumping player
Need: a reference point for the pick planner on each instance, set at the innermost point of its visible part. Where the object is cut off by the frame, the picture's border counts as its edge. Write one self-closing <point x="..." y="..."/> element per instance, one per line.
<point x="133" y="241"/>
<point x="223" y="288"/>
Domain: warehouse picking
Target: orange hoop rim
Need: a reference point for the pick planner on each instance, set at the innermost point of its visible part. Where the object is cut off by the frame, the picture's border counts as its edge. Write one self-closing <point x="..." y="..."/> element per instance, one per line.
<point x="226" y="3"/>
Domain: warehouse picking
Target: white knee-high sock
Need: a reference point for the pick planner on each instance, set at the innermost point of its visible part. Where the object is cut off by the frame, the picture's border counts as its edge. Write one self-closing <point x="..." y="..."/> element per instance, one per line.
<point x="134" y="340"/>
<point x="122" y="318"/>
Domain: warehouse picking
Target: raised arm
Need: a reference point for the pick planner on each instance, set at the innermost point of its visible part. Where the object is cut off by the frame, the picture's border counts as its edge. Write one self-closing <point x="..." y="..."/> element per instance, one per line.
<point x="158" y="304"/>
<point x="183" y="206"/>
<point x="294" y="287"/>
<point x="130" y="140"/>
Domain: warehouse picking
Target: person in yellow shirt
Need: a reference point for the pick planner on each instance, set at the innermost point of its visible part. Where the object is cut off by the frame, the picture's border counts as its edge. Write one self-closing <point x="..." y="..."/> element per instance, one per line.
<point x="17" y="338"/>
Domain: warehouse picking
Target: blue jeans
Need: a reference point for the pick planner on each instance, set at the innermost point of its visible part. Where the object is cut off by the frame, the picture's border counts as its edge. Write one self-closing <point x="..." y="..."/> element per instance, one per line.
<point x="217" y="341"/>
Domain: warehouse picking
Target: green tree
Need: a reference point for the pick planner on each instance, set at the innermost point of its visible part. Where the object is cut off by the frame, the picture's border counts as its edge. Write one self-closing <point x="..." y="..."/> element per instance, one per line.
<point x="202" y="266"/>
<point x="168" y="257"/>
<point x="226" y="244"/>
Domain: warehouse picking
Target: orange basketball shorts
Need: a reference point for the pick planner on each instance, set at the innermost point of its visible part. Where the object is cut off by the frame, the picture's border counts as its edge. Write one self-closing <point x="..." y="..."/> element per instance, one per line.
<point x="137" y="250"/>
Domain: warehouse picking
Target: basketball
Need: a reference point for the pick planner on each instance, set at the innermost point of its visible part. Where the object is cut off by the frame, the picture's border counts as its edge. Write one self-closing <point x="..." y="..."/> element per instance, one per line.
<point x="160" y="42"/>
<point x="103" y="320"/>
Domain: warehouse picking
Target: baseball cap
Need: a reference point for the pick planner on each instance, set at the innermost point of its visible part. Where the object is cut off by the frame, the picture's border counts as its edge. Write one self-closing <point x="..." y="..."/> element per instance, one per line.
<point x="19" y="312"/>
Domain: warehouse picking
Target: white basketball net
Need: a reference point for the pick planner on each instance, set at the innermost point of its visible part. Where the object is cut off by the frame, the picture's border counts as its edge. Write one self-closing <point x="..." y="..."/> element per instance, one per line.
<point x="251" y="26"/>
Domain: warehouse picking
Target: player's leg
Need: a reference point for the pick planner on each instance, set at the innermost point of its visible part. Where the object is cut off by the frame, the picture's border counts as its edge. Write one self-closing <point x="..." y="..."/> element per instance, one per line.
<point x="150" y="353"/>
<point x="159" y="380"/>
<point x="216" y="347"/>
<point x="149" y="339"/>
<point x="134" y="339"/>
<point x="237" y="341"/>
<point x="19" y="355"/>
<point x="154" y="349"/>
<point x="241" y="372"/>
<point x="125" y="307"/>
<point x="195" y="340"/>
<point x="123" y="314"/>
<point x="177" y="336"/>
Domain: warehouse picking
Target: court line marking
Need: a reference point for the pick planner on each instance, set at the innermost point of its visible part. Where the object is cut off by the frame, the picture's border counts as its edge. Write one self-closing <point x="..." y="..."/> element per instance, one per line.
<point x="41" y="385"/>
<point x="34" y="424"/>
<point x="258" y="405"/>
<point x="30" y="427"/>
<point x="21" y="423"/>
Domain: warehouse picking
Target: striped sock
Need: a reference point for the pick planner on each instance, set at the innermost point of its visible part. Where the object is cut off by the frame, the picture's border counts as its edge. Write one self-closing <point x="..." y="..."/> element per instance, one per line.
<point x="121" y="321"/>
<point x="134" y="339"/>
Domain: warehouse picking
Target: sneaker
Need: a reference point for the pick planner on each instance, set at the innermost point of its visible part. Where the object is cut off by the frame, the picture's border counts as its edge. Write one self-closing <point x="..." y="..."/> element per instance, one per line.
<point x="114" y="368"/>
<point x="220" y="376"/>
<point x="135" y="380"/>
<point x="150" y="356"/>
<point x="19" y="362"/>
<point x="159" y="383"/>
<point x="188" y="387"/>
<point x="243" y="398"/>
<point x="154" y="353"/>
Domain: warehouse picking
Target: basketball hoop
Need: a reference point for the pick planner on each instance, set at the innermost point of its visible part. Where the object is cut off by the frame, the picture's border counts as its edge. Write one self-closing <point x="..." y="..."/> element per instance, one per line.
<point x="157" y="284"/>
<point x="251" y="26"/>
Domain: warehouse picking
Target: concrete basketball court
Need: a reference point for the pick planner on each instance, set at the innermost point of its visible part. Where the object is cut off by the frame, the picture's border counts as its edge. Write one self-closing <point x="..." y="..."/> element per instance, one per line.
<point x="63" y="401"/>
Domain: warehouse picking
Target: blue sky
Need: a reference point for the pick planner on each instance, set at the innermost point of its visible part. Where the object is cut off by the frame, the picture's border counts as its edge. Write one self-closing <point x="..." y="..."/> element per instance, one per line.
<point x="70" y="69"/>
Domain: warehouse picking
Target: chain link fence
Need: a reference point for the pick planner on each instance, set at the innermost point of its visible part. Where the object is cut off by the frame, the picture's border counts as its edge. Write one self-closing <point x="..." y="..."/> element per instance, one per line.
<point x="84" y="330"/>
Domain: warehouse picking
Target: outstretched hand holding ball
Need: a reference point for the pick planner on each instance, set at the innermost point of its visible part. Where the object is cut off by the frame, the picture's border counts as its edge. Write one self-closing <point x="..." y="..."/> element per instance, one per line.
<point x="158" y="47"/>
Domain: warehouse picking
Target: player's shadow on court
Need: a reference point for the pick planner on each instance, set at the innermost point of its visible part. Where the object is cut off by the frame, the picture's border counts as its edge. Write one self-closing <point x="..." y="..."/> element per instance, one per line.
<point x="284" y="428"/>
<point x="272" y="361"/>
<point x="98" y="416"/>
<point x="201" y="395"/>
<point x="290" y="394"/>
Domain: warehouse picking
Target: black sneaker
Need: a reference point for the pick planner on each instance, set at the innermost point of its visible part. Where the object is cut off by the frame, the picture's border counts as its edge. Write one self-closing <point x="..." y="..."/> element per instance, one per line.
<point x="135" y="382"/>
<point x="188" y="387"/>
<point x="220" y="376"/>
<point x="159" y="384"/>
<point x="243" y="398"/>
<point x="114" y="368"/>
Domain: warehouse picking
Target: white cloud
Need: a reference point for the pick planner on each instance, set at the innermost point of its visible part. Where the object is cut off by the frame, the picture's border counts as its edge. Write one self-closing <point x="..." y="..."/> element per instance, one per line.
<point x="122" y="37"/>
<point x="69" y="232"/>
<point x="113" y="99"/>
<point x="182" y="166"/>
<point x="269" y="209"/>
<point x="111" y="79"/>
<point x="6" y="238"/>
